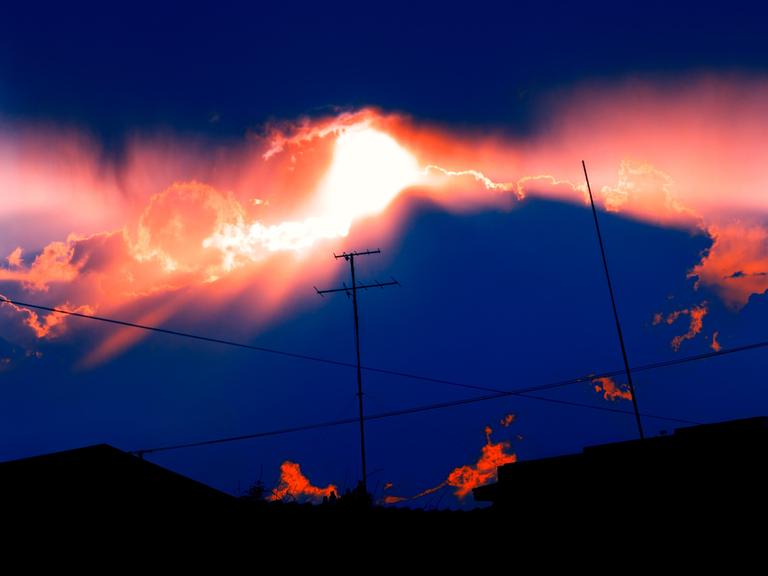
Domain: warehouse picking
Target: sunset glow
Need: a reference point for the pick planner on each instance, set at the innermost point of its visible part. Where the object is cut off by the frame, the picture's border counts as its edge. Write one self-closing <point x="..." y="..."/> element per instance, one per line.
<point x="258" y="217"/>
<point x="344" y="261"/>
<point x="352" y="167"/>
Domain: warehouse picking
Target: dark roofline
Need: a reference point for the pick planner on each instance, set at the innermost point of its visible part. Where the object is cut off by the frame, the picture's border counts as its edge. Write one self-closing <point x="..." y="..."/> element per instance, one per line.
<point x="688" y="441"/>
<point x="101" y="473"/>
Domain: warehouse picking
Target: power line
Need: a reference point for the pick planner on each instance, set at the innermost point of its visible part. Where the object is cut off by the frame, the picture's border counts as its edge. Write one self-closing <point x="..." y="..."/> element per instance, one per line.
<point x="392" y="414"/>
<point x="182" y="334"/>
<point x="386" y="371"/>
<point x="496" y="393"/>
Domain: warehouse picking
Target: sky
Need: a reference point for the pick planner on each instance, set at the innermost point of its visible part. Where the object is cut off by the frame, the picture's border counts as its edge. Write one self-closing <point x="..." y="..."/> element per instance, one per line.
<point x="196" y="169"/>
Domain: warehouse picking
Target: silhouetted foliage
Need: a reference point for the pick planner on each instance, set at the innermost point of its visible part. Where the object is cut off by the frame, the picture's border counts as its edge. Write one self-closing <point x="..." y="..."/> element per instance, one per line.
<point x="255" y="492"/>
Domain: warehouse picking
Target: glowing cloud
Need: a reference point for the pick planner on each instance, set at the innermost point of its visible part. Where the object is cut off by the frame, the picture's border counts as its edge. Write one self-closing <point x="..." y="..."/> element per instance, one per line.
<point x="175" y="215"/>
<point x="14" y="259"/>
<point x="715" y="345"/>
<point x="54" y="264"/>
<point x="368" y="170"/>
<point x="294" y="485"/>
<point x="173" y="227"/>
<point x="493" y="455"/>
<point x="465" y="478"/>
<point x="736" y="266"/>
<point x="287" y="134"/>
<point x="610" y="390"/>
<point x="481" y="178"/>
<point x="508" y="420"/>
<point x="696" y="314"/>
<point x="45" y="325"/>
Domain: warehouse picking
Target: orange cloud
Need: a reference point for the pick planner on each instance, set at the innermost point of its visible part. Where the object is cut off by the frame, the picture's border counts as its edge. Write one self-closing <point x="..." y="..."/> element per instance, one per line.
<point x="696" y="314"/>
<point x="173" y="227"/>
<point x="14" y="259"/>
<point x="48" y="325"/>
<point x="646" y="192"/>
<point x="610" y="390"/>
<point x="51" y="266"/>
<point x="715" y="344"/>
<point x="493" y="455"/>
<point x="736" y="265"/>
<point x="175" y="214"/>
<point x="465" y="478"/>
<point x="508" y="420"/>
<point x="287" y="135"/>
<point x="294" y="485"/>
<point x="58" y="182"/>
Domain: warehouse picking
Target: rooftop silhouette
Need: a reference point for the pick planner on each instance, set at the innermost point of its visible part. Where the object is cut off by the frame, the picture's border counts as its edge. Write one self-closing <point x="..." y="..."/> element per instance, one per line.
<point x="709" y="466"/>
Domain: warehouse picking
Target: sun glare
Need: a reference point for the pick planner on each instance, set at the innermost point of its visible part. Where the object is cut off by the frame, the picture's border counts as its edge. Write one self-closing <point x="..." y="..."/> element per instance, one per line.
<point x="368" y="171"/>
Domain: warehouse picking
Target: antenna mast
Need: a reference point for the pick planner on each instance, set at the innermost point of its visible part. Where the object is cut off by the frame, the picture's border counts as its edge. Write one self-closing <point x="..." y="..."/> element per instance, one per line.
<point x="350" y="257"/>
<point x="615" y="310"/>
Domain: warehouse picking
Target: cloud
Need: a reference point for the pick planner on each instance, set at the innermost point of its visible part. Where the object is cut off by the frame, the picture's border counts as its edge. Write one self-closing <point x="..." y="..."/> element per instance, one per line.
<point x="178" y="214"/>
<point x="715" y="345"/>
<point x="646" y="192"/>
<point x="173" y="227"/>
<point x="282" y="135"/>
<point x="295" y="486"/>
<point x="508" y="420"/>
<point x="53" y="264"/>
<point x="610" y="390"/>
<point x="15" y="259"/>
<point x="696" y="316"/>
<point x="493" y="455"/>
<point x="465" y="478"/>
<point x="42" y="325"/>
<point x="735" y="265"/>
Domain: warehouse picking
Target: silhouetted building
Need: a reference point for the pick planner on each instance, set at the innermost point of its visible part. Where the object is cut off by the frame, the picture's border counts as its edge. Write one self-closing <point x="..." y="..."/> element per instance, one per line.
<point x="103" y="478"/>
<point x="711" y="469"/>
<point x="104" y="483"/>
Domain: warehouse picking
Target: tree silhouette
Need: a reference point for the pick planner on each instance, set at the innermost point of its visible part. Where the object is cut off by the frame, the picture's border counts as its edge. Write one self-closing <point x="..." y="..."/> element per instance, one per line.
<point x="255" y="492"/>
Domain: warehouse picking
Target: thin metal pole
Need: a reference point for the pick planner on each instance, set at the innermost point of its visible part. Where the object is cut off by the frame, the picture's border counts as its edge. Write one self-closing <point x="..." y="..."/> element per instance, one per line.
<point x="359" y="375"/>
<point x="350" y="257"/>
<point x="615" y="311"/>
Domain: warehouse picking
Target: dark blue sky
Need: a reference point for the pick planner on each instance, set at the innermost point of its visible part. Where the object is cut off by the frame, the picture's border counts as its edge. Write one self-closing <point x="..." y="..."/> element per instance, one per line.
<point x="497" y="298"/>
<point x="114" y="70"/>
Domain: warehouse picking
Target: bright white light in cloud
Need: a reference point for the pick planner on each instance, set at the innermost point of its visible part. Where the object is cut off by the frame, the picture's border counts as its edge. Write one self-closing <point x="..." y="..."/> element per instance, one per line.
<point x="369" y="169"/>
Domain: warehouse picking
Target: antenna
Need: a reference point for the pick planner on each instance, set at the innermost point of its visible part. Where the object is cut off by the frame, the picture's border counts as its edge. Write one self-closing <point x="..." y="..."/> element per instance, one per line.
<point x="352" y="291"/>
<point x="615" y="311"/>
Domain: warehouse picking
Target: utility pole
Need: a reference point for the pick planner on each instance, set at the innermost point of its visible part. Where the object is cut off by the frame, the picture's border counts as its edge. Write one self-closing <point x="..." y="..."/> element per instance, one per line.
<point x="350" y="257"/>
<point x="615" y="311"/>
